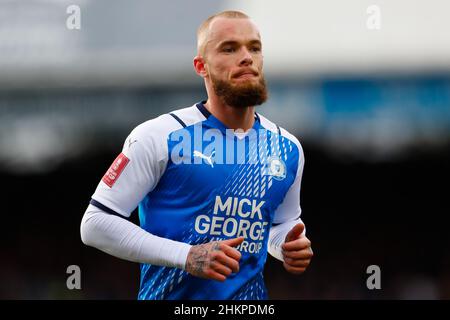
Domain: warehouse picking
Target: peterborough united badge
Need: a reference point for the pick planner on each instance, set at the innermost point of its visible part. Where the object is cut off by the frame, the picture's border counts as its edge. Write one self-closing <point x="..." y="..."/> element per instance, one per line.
<point x="276" y="168"/>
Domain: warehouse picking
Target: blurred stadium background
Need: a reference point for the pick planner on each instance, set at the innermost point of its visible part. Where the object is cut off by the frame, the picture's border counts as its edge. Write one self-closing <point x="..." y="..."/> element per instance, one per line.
<point x="371" y="108"/>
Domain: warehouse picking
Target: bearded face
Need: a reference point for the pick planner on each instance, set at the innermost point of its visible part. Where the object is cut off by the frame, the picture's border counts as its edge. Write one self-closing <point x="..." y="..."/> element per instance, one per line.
<point x="242" y="94"/>
<point x="231" y="61"/>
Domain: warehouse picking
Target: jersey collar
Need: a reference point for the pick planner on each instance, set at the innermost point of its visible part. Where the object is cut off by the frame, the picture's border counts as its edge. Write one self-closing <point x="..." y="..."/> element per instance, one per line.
<point x="201" y="107"/>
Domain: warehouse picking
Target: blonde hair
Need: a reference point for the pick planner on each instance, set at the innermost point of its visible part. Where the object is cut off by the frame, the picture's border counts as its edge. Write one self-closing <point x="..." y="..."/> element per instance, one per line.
<point x="202" y="31"/>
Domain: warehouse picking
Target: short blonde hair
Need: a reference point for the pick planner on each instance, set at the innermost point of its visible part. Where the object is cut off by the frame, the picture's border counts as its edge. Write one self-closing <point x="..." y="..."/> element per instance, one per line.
<point x="202" y="31"/>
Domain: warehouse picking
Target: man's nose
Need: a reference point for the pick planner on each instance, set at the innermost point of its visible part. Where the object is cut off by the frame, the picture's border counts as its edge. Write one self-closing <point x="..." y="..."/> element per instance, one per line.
<point x="246" y="59"/>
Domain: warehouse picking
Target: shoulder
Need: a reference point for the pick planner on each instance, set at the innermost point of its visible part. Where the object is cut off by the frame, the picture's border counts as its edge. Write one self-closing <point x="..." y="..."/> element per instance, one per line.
<point x="162" y="126"/>
<point x="273" y="127"/>
<point x="149" y="139"/>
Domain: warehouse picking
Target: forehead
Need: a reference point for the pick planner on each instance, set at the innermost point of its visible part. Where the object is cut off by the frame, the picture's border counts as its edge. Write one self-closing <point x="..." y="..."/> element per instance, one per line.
<point x="226" y="29"/>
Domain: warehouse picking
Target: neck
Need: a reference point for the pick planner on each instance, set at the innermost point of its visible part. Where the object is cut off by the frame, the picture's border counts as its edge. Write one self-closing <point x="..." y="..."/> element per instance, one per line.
<point x="233" y="118"/>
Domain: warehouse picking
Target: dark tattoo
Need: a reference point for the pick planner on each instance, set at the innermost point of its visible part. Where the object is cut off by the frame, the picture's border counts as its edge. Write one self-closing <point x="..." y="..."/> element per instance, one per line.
<point x="199" y="258"/>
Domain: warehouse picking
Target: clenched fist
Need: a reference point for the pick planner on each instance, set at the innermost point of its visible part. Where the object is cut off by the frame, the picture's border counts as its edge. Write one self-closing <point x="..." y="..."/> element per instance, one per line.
<point x="214" y="260"/>
<point x="297" y="252"/>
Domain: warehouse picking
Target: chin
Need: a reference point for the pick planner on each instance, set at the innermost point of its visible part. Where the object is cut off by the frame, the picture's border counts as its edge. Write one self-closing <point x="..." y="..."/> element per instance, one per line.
<point x="246" y="82"/>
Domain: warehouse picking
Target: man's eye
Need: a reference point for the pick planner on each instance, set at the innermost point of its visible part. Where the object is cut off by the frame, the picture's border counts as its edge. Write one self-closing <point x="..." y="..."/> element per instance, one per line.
<point x="256" y="49"/>
<point x="228" y="49"/>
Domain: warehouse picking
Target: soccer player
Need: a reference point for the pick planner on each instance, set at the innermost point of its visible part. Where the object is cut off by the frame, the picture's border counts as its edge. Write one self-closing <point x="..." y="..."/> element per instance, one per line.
<point x="217" y="184"/>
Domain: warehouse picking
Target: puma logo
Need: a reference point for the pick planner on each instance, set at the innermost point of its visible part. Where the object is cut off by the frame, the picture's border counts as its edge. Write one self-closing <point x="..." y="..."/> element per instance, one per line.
<point x="208" y="159"/>
<point x="130" y="142"/>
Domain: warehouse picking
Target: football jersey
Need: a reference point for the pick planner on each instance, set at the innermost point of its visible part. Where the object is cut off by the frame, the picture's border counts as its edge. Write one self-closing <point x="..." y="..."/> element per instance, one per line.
<point x="195" y="181"/>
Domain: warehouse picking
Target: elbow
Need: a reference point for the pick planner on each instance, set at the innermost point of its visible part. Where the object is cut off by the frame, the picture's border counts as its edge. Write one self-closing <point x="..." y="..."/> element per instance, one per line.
<point x="86" y="231"/>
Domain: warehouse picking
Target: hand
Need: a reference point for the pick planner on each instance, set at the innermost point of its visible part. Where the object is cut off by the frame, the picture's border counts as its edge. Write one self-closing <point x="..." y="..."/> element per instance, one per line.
<point x="297" y="252"/>
<point x="214" y="260"/>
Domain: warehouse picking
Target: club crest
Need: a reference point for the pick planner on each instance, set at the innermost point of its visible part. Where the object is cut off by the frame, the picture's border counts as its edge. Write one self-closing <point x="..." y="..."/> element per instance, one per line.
<point x="276" y="168"/>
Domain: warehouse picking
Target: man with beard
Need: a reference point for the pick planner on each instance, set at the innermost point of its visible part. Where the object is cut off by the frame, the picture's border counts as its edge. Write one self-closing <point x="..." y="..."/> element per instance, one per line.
<point x="209" y="210"/>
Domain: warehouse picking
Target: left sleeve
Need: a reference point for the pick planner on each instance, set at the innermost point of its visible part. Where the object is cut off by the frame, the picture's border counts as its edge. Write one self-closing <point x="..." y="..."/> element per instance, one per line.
<point x="288" y="212"/>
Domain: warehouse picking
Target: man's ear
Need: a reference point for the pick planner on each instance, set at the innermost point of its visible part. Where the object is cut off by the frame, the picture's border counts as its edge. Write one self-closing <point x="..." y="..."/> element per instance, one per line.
<point x="200" y="66"/>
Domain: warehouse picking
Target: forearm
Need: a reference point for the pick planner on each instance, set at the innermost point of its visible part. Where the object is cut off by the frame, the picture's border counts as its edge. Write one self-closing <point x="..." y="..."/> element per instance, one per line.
<point x="277" y="236"/>
<point x="123" y="239"/>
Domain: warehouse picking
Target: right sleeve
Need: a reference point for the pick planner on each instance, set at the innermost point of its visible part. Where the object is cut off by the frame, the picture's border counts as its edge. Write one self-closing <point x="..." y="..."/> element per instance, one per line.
<point x="123" y="239"/>
<point x="134" y="173"/>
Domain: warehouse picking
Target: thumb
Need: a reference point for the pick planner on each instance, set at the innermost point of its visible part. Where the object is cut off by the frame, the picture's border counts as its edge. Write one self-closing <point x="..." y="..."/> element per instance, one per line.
<point x="295" y="232"/>
<point x="233" y="242"/>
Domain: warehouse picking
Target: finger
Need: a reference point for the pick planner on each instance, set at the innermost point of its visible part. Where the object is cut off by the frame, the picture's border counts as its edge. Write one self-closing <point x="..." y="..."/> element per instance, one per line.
<point x="294" y="270"/>
<point x="296" y="245"/>
<point x="295" y="232"/>
<point x="302" y="254"/>
<point x="220" y="268"/>
<point x="227" y="261"/>
<point x="214" y="275"/>
<point x="233" y="242"/>
<point x="297" y="262"/>
<point x="230" y="251"/>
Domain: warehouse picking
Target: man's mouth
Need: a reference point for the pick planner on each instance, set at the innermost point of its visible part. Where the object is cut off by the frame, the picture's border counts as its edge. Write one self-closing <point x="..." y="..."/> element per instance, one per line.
<point x="246" y="75"/>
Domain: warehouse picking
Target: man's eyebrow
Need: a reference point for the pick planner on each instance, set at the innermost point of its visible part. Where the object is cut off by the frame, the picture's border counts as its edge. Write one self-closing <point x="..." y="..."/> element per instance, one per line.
<point x="227" y="43"/>
<point x="234" y="42"/>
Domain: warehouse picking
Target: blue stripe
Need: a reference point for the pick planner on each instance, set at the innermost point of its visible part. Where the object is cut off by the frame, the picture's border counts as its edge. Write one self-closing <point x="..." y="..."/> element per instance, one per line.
<point x="276" y="224"/>
<point x="105" y="208"/>
<point x="203" y="109"/>
<point x="178" y="119"/>
<point x="257" y="117"/>
<point x="279" y="130"/>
